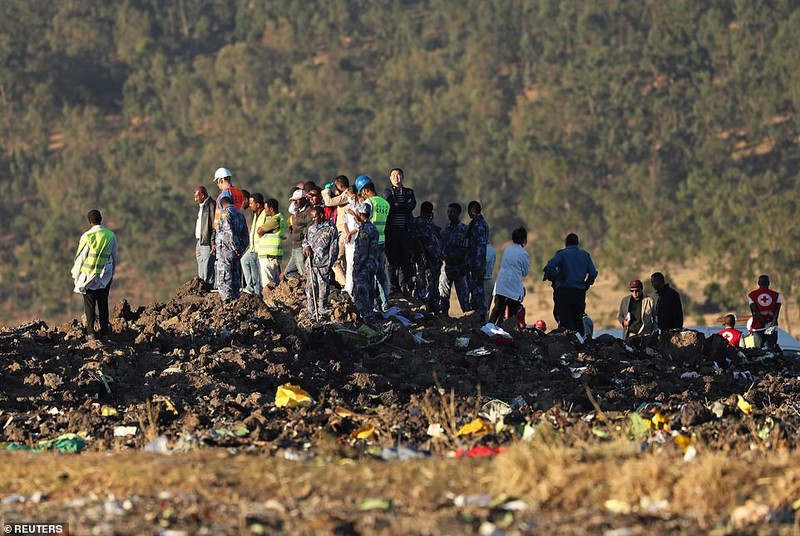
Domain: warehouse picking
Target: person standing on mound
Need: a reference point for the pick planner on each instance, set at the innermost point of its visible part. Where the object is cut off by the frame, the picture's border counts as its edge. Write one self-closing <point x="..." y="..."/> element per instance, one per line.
<point x="93" y="272"/>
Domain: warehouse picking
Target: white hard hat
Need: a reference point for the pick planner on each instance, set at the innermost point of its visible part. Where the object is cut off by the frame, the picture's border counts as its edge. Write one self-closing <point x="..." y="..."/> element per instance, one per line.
<point x="222" y="173"/>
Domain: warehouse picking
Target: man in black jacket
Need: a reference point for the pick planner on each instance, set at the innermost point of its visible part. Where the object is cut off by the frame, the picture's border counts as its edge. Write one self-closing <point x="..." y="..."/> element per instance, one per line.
<point x="669" y="311"/>
<point x="398" y="235"/>
<point x="204" y="235"/>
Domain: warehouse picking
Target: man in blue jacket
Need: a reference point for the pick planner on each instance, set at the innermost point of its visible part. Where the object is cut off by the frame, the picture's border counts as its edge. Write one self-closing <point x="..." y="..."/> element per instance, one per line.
<point x="572" y="272"/>
<point x="232" y="241"/>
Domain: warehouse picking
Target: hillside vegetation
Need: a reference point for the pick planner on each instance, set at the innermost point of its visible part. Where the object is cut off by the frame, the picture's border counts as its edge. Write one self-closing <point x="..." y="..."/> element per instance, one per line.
<point x="658" y="131"/>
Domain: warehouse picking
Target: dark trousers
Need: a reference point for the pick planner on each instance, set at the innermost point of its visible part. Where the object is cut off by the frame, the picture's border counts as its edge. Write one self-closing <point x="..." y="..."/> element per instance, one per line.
<point x="99" y="298"/>
<point x="569" y="304"/>
<point x="398" y="256"/>
<point x="499" y="308"/>
<point x="762" y="340"/>
<point x="477" y="299"/>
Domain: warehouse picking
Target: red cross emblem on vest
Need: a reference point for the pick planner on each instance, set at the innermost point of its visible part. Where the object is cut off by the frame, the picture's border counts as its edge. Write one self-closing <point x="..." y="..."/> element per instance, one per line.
<point x="765" y="300"/>
<point x="727" y="335"/>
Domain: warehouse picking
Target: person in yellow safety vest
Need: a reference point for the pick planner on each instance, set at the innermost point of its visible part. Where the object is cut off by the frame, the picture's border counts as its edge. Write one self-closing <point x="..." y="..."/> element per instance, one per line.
<point x="93" y="271"/>
<point x="251" y="269"/>
<point x="269" y="245"/>
<point x="380" y="213"/>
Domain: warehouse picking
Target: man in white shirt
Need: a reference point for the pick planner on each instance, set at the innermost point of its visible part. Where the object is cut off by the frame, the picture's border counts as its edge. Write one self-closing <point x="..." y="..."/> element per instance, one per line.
<point x="509" y="290"/>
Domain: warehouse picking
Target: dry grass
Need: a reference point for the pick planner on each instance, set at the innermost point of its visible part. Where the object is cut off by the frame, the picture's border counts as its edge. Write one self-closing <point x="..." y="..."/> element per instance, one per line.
<point x="148" y="421"/>
<point x="439" y="407"/>
<point x="705" y="490"/>
<point x="557" y="481"/>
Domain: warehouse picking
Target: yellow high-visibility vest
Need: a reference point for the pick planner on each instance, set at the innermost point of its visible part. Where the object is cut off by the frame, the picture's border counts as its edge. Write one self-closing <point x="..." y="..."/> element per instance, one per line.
<point x="258" y="221"/>
<point x="271" y="244"/>
<point x="99" y="243"/>
<point x="380" y="213"/>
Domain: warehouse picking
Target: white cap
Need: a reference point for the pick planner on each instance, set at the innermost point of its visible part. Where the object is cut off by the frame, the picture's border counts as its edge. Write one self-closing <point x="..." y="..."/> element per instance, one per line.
<point x="298" y="194"/>
<point x="222" y="173"/>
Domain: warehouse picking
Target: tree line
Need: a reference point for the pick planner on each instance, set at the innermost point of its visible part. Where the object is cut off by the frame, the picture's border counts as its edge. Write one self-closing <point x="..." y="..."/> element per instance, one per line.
<point x="658" y="131"/>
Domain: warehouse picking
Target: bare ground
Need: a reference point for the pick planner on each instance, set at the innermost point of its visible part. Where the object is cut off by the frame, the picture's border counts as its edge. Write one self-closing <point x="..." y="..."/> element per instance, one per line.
<point x="597" y="433"/>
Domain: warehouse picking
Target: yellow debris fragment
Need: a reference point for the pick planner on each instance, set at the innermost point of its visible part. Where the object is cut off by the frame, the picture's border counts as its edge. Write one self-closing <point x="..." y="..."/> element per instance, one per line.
<point x="476" y="427"/>
<point x="744" y="405"/>
<point x="290" y="396"/>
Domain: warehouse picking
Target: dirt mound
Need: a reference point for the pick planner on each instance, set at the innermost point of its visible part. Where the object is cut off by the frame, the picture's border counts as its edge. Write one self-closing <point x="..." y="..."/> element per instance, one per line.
<point x="200" y="372"/>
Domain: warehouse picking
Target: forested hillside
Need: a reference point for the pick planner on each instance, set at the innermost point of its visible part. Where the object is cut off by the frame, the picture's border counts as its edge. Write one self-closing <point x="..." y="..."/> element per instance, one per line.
<point x="659" y="131"/>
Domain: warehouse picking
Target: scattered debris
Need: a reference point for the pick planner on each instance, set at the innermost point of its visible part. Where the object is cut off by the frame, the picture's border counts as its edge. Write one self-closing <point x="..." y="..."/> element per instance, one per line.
<point x="197" y="374"/>
<point x="72" y="443"/>
<point x="125" y="431"/>
<point x="475" y="427"/>
<point x="480" y="451"/>
<point x="479" y="352"/>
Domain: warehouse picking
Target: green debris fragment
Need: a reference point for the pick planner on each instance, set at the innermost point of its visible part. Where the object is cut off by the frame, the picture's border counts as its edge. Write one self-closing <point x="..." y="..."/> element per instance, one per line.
<point x="764" y="431"/>
<point x="639" y="429"/>
<point x="374" y="504"/>
<point x="15" y="446"/>
<point x="105" y="378"/>
<point x="602" y="433"/>
<point x="71" y="443"/>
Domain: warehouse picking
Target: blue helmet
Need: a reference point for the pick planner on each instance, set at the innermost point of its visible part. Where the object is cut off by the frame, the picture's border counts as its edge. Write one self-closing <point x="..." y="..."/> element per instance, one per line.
<point x="362" y="181"/>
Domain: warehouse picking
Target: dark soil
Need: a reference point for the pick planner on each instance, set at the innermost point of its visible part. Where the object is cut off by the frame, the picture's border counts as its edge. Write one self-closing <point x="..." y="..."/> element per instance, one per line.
<point x="205" y="374"/>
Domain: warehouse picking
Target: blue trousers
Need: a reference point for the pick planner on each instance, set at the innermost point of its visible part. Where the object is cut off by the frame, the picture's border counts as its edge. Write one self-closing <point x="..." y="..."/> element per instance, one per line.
<point x="454" y="276"/>
<point x="229" y="276"/>
<point x="383" y="281"/>
<point x="252" y="273"/>
<point x="296" y="264"/>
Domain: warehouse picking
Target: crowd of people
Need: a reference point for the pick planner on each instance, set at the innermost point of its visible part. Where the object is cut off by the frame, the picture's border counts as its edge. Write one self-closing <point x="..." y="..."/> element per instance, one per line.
<point x="369" y="245"/>
<point x="373" y="247"/>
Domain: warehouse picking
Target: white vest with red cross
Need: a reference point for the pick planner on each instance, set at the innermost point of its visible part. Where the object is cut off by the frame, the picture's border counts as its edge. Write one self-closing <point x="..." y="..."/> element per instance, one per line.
<point x="732" y="335"/>
<point x="766" y="300"/>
